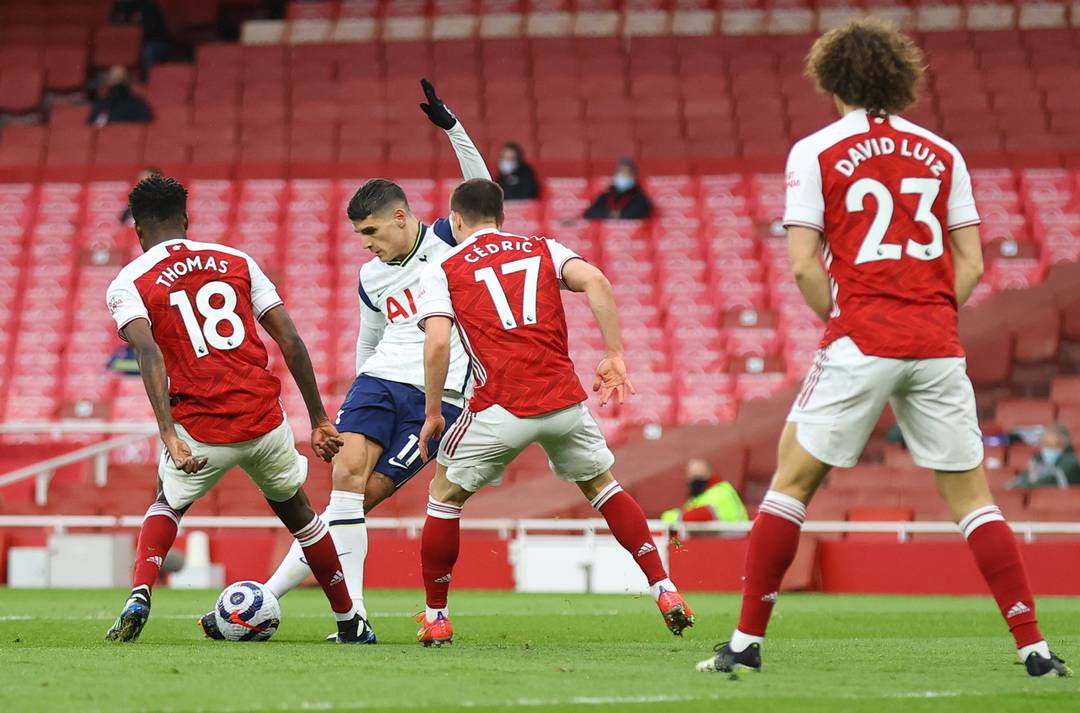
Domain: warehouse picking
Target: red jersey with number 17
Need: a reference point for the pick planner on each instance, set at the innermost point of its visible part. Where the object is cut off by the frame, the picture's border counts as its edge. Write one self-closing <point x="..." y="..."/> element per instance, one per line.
<point x="884" y="193"/>
<point x="203" y="301"/>
<point x="502" y="291"/>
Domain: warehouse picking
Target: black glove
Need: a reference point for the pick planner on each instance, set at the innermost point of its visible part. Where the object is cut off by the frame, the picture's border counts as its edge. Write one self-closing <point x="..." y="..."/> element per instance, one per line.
<point x="435" y="109"/>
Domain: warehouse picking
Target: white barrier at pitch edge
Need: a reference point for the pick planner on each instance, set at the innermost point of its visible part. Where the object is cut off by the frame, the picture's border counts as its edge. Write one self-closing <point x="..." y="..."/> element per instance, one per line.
<point x="511" y="528"/>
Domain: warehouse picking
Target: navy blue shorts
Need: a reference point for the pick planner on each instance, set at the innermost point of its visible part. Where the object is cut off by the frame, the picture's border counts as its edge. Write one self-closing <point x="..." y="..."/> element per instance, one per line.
<point x="391" y="414"/>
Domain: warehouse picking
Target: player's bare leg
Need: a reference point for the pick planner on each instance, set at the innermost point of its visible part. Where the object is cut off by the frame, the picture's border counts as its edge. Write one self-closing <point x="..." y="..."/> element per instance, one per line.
<point x="774" y="540"/>
<point x="993" y="544"/>
<point x="628" y="525"/>
<point x="439" y="547"/>
<point x="345" y="515"/>
<point x="156" y="538"/>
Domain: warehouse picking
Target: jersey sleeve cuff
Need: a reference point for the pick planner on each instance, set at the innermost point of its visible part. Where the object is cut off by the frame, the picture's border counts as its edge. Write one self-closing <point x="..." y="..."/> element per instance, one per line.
<point x="128" y="320"/>
<point x="805" y="216"/>
<point x="268" y="308"/>
<point x="421" y="319"/>
<point x="803" y="224"/>
<point x="963" y="216"/>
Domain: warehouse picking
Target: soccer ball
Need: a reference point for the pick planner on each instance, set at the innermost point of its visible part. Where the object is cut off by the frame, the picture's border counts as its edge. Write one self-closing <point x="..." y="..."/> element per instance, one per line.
<point x="247" y="611"/>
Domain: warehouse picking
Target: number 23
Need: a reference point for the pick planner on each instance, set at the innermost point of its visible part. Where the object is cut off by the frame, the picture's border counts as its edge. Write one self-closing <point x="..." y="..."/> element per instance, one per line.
<point x="872" y="249"/>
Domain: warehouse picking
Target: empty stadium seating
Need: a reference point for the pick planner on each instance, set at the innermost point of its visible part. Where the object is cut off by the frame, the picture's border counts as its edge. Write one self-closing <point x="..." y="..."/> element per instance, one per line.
<point x="681" y="104"/>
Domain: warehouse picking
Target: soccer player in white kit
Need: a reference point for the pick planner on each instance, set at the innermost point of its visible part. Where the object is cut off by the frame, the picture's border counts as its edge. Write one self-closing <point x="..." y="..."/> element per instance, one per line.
<point x="888" y="205"/>
<point x="383" y="413"/>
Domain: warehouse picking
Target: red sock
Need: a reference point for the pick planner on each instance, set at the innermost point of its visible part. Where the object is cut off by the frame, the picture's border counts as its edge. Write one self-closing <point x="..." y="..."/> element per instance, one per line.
<point x="156" y="538"/>
<point x="627" y="522"/>
<point x="439" y="546"/>
<point x="323" y="559"/>
<point x="994" y="545"/>
<point x="774" y="540"/>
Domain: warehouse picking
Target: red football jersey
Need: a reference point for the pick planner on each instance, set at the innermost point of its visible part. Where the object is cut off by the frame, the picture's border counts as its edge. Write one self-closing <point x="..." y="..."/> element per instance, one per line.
<point x="502" y="291"/>
<point x="884" y="192"/>
<point x="203" y="302"/>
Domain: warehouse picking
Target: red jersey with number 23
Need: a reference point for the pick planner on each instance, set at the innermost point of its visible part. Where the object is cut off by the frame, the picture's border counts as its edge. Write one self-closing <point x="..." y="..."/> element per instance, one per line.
<point x="884" y="193"/>
<point x="203" y="301"/>
<point x="502" y="291"/>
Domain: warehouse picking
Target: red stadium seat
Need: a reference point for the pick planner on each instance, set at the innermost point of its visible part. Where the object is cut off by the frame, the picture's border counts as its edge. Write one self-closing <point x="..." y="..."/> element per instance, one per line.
<point x="21" y="89"/>
<point x="1018" y="413"/>
<point x="117" y="45"/>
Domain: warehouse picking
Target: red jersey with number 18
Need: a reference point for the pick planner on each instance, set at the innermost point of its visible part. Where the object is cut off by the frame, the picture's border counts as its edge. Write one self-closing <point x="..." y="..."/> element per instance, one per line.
<point x="203" y="301"/>
<point x="884" y="192"/>
<point x="502" y="290"/>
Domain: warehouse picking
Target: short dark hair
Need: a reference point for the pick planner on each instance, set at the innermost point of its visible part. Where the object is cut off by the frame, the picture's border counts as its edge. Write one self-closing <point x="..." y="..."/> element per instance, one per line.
<point x="867" y="63"/>
<point x="478" y="200"/>
<point x="158" y="198"/>
<point x="375" y="196"/>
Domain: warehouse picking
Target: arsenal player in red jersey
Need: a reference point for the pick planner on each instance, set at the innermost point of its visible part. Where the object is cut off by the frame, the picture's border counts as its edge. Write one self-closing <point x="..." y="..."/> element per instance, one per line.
<point x="502" y="293"/>
<point x="888" y="206"/>
<point x="190" y="310"/>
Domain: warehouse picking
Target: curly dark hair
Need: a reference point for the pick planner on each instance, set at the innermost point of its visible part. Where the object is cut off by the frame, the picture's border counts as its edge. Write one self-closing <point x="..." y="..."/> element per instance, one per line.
<point x="867" y="63"/>
<point x="158" y="198"/>
<point x="376" y="196"/>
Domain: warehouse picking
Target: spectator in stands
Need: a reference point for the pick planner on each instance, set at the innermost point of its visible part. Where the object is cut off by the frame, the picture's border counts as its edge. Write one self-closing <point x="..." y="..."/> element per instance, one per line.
<point x="624" y="200"/>
<point x="157" y="42"/>
<point x="1054" y="465"/>
<point x="711" y="499"/>
<point x="125" y="217"/>
<point x="119" y="105"/>
<point x="516" y="176"/>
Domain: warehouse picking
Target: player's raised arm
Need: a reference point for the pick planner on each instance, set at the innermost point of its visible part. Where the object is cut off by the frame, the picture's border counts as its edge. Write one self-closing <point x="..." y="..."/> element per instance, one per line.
<point x="156" y="381"/>
<point x="325" y="440"/>
<point x="611" y="376"/>
<point x="804" y="249"/>
<point x="469" y="157"/>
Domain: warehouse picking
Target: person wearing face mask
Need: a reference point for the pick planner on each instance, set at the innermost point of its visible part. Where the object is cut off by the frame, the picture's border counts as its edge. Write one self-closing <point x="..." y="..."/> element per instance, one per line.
<point x="624" y="200"/>
<point x="710" y="499"/>
<point x="516" y="177"/>
<point x="1054" y="465"/>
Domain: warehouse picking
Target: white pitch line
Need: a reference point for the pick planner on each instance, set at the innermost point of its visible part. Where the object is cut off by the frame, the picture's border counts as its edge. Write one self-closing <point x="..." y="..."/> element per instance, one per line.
<point x="574" y="701"/>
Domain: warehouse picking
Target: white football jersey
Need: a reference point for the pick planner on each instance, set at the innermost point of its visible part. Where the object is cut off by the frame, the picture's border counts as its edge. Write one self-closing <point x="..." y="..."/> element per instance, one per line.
<point x="389" y="295"/>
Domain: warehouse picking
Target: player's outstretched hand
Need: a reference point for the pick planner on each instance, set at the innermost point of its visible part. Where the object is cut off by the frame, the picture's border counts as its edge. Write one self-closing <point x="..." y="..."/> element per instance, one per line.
<point x="435" y="109"/>
<point x="433" y="429"/>
<point x="611" y="378"/>
<point x="181" y="455"/>
<point x="326" y="441"/>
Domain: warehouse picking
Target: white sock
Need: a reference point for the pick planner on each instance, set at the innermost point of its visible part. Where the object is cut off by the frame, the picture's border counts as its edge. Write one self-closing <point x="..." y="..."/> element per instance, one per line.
<point x="1040" y="647"/>
<point x="432" y="614"/>
<point x="290" y="573"/>
<point x="664" y="585"/>
<point x="345" y="517"/>
<point x="739" y="641"/>
<point x="347" y="616"/>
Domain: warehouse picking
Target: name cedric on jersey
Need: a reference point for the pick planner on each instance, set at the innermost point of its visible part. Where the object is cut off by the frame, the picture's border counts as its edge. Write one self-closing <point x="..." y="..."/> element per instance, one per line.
<point x="885" y="146"/>
<point x="479" y="251"/>
<point x="178" y="269"/>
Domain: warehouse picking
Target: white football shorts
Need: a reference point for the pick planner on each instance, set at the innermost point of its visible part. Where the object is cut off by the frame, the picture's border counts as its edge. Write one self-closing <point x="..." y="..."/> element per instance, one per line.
<point x="845" y="391"/>
<point x="271" y="460"/>
<point x="479" y="446"/>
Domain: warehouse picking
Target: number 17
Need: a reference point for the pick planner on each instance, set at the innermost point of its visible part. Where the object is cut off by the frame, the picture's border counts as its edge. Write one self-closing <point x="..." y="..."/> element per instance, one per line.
<point x="531" y="267"/>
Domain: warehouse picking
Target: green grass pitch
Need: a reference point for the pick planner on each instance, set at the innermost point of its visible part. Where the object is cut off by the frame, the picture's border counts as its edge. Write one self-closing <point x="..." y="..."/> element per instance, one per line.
<point x="529" y="652"/>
